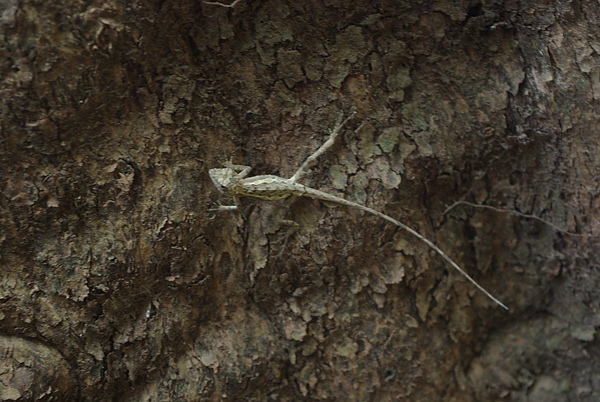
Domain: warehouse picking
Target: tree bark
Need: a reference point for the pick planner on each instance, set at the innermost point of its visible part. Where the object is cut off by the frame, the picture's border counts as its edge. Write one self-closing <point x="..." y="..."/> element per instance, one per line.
<point x="118" y="282"/>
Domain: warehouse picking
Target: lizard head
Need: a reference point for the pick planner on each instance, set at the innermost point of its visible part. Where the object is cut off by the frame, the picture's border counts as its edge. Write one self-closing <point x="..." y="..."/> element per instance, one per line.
<point x="221" y="178"/>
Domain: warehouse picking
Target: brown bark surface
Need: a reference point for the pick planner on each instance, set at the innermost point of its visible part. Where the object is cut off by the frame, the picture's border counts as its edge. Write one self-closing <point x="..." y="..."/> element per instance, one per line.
<point x="117" y="282"/>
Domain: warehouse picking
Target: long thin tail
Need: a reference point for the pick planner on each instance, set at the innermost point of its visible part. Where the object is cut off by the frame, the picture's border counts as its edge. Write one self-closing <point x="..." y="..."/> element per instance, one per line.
<point x="327" y="197"/>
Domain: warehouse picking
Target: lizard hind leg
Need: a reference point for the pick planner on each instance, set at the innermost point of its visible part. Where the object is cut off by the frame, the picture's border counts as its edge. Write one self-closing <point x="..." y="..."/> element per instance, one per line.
<point x="323" y="148"/>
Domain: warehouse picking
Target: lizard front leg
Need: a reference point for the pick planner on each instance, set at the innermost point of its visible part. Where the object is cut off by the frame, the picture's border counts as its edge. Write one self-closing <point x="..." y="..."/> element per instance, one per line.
<point x="240" y="170"/>
<point x="222" y="208"/>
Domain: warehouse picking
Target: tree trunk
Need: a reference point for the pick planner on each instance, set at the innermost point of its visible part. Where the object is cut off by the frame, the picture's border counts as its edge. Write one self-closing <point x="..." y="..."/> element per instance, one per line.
<point x="118" y="282"/>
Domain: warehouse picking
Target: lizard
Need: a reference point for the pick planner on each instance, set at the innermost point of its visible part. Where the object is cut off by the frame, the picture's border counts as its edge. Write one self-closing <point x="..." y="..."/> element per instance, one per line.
<point x="233" y="181"/>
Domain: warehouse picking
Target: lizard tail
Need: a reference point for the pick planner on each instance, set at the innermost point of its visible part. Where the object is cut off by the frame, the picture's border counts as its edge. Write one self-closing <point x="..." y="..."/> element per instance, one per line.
<point x="327" y="197"/>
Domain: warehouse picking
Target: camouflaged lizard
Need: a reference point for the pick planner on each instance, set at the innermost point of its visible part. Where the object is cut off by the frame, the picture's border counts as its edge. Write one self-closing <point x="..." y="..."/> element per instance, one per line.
<point x="233" y="182"/>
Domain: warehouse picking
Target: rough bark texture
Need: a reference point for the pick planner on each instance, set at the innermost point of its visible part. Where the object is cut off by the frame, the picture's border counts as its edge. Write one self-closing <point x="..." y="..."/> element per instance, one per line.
<point x="118" y="283"/>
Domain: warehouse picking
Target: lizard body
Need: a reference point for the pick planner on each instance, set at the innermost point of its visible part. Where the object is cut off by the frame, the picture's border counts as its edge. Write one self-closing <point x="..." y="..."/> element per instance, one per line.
<point x="232" y="181"/>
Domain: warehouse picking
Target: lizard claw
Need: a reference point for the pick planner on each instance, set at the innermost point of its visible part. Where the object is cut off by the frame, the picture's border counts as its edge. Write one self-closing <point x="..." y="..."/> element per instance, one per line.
<point x="221" y="208"/>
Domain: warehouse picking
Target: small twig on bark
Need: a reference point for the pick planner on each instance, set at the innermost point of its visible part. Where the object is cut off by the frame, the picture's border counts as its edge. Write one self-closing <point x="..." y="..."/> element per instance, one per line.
<point x="217" y="3"/>
<point x="513" y="212"/>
